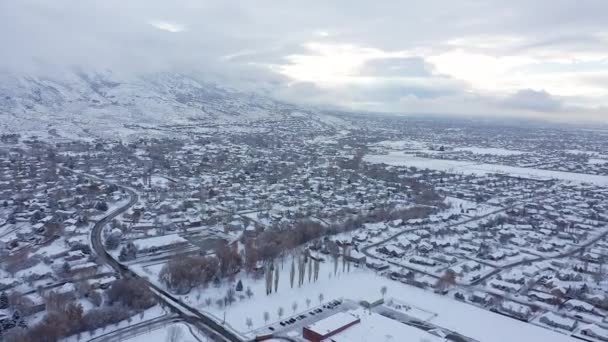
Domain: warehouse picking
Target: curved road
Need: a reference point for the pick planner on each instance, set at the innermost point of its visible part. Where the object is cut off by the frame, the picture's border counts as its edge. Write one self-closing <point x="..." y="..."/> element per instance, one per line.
<point x="211" y="328"/>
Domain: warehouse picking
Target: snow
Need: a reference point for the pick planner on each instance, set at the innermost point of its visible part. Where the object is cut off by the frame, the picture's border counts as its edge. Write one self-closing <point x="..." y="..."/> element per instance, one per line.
<point x="457" y="166"/>
<point x="361" y="284"/>
<point x="375" y="327"/>
<point x="159" y="241"/>
<point x="161" y="334"/>
<point x="332" y="323"/>
<point x="490" y="150"/>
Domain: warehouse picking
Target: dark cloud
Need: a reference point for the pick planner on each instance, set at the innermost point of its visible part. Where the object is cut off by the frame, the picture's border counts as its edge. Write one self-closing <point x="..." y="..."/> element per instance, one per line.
<point x="533" y="100"/>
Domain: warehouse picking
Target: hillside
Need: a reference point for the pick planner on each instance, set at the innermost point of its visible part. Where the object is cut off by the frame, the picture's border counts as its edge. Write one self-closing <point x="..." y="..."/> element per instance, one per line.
<point x="81" y="105"/>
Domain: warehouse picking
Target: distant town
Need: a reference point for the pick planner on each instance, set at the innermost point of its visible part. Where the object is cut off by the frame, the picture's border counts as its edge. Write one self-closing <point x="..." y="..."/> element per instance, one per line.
<point x="421" y="227"/>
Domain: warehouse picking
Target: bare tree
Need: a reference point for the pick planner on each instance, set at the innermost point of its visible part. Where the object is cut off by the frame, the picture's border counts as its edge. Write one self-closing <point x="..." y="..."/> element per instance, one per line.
<point x="266" y="316"/>
<point x="294" y="306"/>
<point x="383" y="291"/>
<point x="249" y="323"/>
<point x="280" y="312"/>
<point x="174" y="334"/>
<point x="321" y="297"/>
<point x="308" y="302"/>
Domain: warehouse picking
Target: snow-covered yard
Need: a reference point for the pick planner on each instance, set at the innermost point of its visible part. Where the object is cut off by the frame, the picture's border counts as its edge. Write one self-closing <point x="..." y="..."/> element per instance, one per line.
<point x="360" y="284"/>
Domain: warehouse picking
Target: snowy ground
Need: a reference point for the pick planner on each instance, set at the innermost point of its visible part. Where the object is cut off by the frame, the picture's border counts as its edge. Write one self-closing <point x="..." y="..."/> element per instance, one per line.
<point x="160" y="334"/>
<point x="490" y="150"/>
<point x="456" y="166"/>
<point x="149" y="314"/>
<point x="362" y="284"/>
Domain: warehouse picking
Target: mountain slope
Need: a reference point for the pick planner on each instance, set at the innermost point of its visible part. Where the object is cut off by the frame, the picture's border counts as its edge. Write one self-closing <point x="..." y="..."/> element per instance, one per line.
<point x="79" y="105"/>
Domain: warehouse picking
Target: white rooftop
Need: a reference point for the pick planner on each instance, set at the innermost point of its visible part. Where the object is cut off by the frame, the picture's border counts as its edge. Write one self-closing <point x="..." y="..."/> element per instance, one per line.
<point x="332" y="323"/>
<point x="375" y="327"/>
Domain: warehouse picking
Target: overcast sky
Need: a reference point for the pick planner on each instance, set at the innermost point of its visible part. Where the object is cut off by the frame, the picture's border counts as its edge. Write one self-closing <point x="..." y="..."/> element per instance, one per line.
<point x="519" y="57"/>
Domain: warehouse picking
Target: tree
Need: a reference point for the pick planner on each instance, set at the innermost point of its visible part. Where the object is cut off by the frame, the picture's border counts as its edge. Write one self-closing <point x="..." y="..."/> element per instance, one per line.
<point x="308" y="302"/>
<point x="321" y="297"/>
<point x="229" y="258"/>
<point x="266" y="316"/>
<point x="112" y="242"/>
<point x="174" y="334"/>
<point x="248" y="292"/>
<point x="280" y="312"/>
<point x="132" y="293"/>
<point x="249" y="323"/>
<point x="383" y="291"/>
<point x="239" y="286"/>
<point x="446" y="280"/>
<point x="294" y="306"/>
<point x="310" y="270"/>
<point x="230" y="294"/>
<point x="292" y="272"/>
<point x="101" y="206"/>
<point x="181" y="274"/>
<point x="3" y="301"/>
<point x="301" y="271"/>
<point x="276" y="279"/>
<point x="128" y="252"/>
<point x="269" y="273"/>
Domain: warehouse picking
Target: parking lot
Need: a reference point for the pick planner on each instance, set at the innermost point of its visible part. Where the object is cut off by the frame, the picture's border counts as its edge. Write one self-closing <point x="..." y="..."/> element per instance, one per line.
<point x="301" y="319"/>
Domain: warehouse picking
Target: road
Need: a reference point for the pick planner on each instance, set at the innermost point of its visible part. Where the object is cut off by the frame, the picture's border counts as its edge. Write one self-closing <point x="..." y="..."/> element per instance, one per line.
<point x="499" y="269"/>
<point x="365" y="250"/>
<point x="215" y="331"/>
<point x="568" y="253"/>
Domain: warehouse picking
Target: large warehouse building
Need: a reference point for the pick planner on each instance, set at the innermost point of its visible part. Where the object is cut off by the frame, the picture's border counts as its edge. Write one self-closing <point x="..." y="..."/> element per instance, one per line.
<point x="329" y="326"/>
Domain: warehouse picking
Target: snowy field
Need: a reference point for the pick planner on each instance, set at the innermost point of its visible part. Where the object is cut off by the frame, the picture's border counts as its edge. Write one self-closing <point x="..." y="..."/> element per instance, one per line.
<point x="490" y="150"/>
<point x="361" y="284"/>
<point x="160" y="335"/>
<point x="399" y="158"/>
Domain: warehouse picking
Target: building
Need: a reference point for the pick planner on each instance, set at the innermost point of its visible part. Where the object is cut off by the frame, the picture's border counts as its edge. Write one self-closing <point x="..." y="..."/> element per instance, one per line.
<point x="594" y="331"/>
<point x="329" y="326"/>
<point x="556" y="321"/>
<point x="373" y="327"/>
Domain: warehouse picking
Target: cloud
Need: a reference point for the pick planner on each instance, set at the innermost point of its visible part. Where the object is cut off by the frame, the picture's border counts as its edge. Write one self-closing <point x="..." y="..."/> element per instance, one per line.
<point x="169" y="27"/>
<point x="533" y="100"/>
<point x="394" y="56"/>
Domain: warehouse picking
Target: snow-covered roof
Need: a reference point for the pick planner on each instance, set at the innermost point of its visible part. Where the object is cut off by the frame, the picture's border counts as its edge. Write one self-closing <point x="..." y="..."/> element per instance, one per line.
<point x="332" y="323"/>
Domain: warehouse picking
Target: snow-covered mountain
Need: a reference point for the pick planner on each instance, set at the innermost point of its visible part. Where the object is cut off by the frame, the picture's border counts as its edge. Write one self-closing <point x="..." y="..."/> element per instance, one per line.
<point x="79" y="104"/>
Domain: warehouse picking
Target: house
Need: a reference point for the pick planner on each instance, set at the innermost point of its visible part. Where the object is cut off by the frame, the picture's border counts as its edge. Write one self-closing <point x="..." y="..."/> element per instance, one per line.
<point x="392" y="250"/>
<point x="556" y="321"/>
<point x="516" y="310"/>
<point x="480" y="298"/>
<point x="423" y="261"/>
<point x="505" y="286"/>
<point x="355" y="256"/>
<point x="594" y="331"/>
<point x="542" y="297"/>
<point x="579" y="305"/>
<point x="378" y="266"/>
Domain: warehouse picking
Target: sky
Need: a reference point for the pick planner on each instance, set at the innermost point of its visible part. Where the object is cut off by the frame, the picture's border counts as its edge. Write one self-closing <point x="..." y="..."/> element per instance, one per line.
<point x="541" y="58"/>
